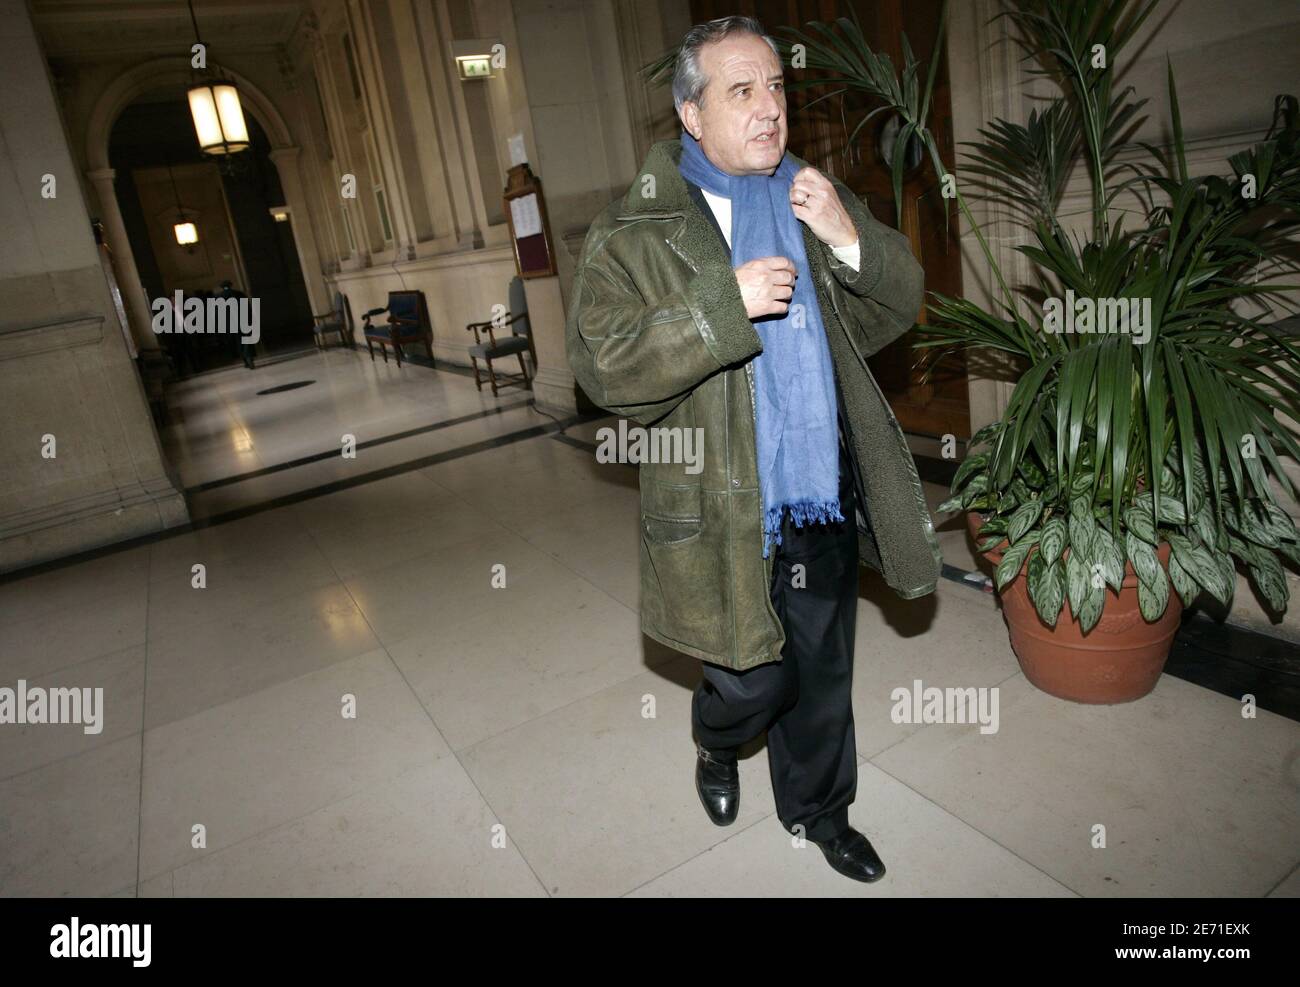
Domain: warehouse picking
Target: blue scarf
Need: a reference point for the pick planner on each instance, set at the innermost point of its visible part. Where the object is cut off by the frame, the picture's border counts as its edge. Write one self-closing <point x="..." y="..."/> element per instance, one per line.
<point x="794" y="381"/>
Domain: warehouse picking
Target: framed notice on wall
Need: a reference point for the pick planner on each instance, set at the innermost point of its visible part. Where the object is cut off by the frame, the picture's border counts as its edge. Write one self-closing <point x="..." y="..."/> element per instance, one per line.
<point x="525" y="208"/>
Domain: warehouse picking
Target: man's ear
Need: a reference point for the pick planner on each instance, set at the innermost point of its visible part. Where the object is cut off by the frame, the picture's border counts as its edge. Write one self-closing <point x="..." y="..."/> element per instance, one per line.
<point x="690" y="116"/>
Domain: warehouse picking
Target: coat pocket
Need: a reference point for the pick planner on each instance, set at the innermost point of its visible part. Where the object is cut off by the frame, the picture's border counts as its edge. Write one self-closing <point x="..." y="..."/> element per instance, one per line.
<point x="668" y="533"/>
<point x="670" y="513"/>
<point x="684" y="571"/>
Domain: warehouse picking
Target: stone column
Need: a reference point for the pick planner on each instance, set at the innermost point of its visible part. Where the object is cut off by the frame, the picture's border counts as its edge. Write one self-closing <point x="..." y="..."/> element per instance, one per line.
<point x="83" y="465"/>
<point x="568" y="54"/>
<point x="139" y="315"/>
<point x="553" y="385"/>
<point x="375" y="84"/>
<point x="286" y="160"/>
<point x="590" y="120"/>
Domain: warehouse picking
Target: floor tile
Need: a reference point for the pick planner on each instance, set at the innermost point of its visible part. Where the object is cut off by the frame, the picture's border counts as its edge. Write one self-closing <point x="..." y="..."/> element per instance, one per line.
<point x="927" y="852"/>
<point x="600" y="797"/>
<point x="246" y="766"/>
<point x="1194" y="800"/>
<point x="427" y="833"/>
<point x="213" y="663"/>
<point x="71" y="828"/>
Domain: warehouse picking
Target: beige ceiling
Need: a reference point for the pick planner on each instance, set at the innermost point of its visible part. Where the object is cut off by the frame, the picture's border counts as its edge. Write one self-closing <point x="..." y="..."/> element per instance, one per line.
<point x="110" y="28"/>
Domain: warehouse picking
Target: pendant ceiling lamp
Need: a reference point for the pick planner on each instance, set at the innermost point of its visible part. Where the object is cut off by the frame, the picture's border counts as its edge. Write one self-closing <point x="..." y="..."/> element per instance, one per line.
<point x="214" y="104"/>
<point x="185" y="230"/>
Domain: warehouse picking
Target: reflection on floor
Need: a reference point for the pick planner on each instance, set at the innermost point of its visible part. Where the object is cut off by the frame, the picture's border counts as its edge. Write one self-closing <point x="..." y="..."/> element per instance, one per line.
<point x="227" y="707"/>
<point x="238" y="441"/>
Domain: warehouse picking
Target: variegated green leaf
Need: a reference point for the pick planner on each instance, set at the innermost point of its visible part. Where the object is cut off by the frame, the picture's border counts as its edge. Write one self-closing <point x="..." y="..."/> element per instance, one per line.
<point x="1279" y="522"/>
<point x="1013" y="559"/>
<point x="1052" y="540"/>
<point x="1082" y="529"/>
<point x="1270" y="580"/>
<point x="1082" y="484"/>
<point x="1110" y="556"/>
<point x="1187" y="587"/>
<point x="968" y="467"/>
<point x="1171" y="510"/>
<point x="993" y="526"/>
<point x="985" y="434"/>
<point x="1046" y="588"/>
<point x="1291" y="550"/>
<point x="1203" y="524"/>
<point x="1241" y="548"/>
<point x="1140" y="523"/>
<point x="1228" y="575"/>
<point x="1024" y="518"/>
<point x="1252" y="522"/>
<point x="976" y="487"/>
<point x="1200" y="564"/>
<point x="1077" y="579"/>
<point x="1143" y="557"/>
<point x="1092" y="607"/>
<point x="1032" y="474"/>
<point x="1153" y="597"/>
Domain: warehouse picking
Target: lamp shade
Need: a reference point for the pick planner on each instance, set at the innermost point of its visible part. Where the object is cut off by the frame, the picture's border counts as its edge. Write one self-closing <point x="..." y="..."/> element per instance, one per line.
<point x="186" y="233"/>
<point x="218" y="118"/>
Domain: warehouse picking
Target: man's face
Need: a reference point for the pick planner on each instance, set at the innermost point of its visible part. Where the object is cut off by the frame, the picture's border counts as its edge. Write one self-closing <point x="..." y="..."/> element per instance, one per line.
<point x="742" y="125"/>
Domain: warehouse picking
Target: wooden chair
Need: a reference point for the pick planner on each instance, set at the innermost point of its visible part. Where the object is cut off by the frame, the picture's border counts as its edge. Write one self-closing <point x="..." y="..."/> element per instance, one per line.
<point x="408" y="322"/>
<point x="338" y="320"/>
<point x="519" y="341"/>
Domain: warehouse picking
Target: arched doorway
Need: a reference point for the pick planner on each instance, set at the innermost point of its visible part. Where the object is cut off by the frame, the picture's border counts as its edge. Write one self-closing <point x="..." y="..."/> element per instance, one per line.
<point x="162" y="178"/>
<point x="172" y="75"/>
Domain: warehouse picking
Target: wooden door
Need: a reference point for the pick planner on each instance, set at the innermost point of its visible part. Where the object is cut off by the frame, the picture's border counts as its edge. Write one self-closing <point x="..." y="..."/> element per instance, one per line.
<point x="820" y="135"/>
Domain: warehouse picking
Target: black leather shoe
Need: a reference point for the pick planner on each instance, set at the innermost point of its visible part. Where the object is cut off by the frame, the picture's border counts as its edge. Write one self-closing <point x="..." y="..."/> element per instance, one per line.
<point x="851" y="854"/>
<point x="717" y="779"/>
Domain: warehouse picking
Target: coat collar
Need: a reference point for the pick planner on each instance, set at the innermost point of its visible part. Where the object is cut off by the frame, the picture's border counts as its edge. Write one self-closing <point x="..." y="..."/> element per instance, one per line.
<point x="671" y="196"/>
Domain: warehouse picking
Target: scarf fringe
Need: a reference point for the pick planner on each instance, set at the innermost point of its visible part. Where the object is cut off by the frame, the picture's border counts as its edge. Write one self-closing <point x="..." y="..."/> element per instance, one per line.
<point x="802" y="512"/>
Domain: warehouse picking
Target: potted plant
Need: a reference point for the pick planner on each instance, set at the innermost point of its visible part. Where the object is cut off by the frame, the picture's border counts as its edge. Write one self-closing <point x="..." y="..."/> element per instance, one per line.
<point x="1139" y="457"/>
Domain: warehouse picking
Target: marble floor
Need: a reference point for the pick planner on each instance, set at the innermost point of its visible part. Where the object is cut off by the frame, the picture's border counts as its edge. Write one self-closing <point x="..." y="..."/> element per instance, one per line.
<point x="350" y="708"/>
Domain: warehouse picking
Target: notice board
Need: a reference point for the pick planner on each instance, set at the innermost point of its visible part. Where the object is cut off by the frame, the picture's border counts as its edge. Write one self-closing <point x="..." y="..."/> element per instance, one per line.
<point x="525" y="209"/>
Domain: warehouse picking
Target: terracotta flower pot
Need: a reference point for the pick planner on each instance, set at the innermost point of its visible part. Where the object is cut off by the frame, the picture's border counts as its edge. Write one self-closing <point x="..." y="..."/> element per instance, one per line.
<point x="1119" y="660"/>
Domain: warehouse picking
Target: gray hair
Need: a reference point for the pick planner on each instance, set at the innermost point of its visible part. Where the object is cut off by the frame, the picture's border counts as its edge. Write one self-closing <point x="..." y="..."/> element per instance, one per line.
<point x="688" y="80"/>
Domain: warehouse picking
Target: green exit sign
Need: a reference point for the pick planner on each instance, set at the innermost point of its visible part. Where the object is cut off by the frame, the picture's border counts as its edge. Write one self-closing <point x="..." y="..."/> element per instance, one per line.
<point x="474" y="66"/>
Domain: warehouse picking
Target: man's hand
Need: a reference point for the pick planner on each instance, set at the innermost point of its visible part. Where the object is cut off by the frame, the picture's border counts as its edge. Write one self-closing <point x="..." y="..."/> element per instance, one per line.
<point x="766" y="285"/>
<point x="816" y="203"/>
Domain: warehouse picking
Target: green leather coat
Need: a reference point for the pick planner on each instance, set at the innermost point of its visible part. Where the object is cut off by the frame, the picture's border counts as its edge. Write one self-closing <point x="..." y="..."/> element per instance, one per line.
<point x="657" y="332"/>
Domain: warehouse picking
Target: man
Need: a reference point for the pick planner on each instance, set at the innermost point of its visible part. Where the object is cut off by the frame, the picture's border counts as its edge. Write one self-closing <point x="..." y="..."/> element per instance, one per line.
<point x="246" y="349"/>
<point x="737" y="290"/>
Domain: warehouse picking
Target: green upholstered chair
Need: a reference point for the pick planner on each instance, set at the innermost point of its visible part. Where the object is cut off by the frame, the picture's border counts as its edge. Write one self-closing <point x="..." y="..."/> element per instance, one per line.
<point x="519" y="342"/>
<point x="338" y="320"/>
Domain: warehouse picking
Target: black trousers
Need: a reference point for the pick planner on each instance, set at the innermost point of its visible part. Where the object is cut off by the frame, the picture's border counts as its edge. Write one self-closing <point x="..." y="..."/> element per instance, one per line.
<point x="804" y="701"/>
